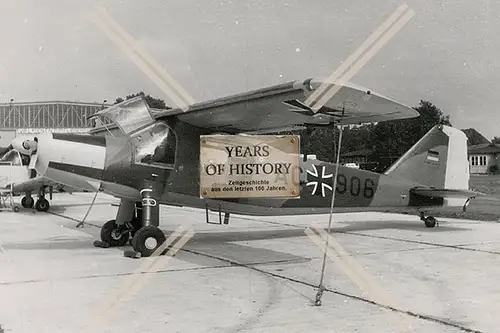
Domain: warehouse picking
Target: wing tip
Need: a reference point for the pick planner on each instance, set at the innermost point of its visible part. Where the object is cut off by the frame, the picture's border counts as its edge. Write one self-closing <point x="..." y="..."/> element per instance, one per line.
<point x="312" y="84"/>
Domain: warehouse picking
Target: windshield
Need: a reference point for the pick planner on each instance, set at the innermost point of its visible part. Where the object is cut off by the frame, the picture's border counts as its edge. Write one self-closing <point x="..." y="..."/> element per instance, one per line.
<point x="130" y="115"/>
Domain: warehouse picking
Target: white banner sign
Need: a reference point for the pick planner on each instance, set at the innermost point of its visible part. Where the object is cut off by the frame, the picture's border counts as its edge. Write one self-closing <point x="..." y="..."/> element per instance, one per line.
<point x="244" y="166"/>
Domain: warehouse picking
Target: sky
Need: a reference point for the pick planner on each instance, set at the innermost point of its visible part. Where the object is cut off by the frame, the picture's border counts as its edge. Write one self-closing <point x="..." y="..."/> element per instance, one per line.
<point x="448" y="53"/>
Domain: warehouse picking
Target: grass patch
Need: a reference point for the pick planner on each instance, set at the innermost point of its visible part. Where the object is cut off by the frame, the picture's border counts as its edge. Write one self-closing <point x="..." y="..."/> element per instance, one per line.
<point x="481" y="208"/>
<point x="489" y="184"/>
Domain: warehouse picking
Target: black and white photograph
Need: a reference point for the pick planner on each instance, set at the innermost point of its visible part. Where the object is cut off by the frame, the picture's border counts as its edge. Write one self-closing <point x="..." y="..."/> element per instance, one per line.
<point x="249" y="166"/>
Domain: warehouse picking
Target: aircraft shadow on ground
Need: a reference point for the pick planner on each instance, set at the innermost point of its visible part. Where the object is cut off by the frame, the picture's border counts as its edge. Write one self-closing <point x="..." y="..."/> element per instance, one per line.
<point x="396" y="225"/>
<point x="204" y="238"/>
<point x="59" y="244"/>
<point x="60" y="208"/>
<point x="238" y="236"/>
<point x="240" y="253"/>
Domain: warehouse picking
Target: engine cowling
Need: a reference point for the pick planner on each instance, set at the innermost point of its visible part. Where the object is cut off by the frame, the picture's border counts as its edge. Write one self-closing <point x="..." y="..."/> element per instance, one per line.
<point x="73" y="160"/>
<point x="25" y="145"/>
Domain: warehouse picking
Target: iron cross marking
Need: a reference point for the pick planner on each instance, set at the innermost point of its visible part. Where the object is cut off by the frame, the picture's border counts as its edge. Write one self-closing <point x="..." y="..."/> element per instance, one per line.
<point x="320" y="181"/>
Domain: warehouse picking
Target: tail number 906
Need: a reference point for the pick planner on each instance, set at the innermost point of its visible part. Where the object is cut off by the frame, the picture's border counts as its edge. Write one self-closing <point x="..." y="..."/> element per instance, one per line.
<point x="355" y="186"/>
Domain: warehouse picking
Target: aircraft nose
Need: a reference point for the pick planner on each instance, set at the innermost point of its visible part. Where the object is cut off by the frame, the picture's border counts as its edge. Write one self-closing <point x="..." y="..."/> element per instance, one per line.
<point x="71" y="159"/>
<point x="23" y="145"/>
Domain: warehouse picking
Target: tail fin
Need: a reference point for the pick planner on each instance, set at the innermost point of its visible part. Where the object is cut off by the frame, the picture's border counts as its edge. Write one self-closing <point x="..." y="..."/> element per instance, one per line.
<point x="438" y="159"/>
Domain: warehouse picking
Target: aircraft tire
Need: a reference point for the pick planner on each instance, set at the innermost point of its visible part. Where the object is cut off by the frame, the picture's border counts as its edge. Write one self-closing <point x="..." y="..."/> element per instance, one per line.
<point x="27" y="202"/>
<point x="42" y="205"/>
<point x="147" y="240"/>
<point x="107" y="237"/>
<point x="430" y="222"/>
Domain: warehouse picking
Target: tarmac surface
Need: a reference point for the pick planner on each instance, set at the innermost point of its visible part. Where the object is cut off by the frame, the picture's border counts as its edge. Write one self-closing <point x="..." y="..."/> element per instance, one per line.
<point x="383" y="273"/>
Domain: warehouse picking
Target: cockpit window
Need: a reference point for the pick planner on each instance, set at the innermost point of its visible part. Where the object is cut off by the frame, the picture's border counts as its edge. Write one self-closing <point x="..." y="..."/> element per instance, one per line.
<point x="14" y="157"/>
<point x="155" y="145"/>
<point x="130" y="115"/>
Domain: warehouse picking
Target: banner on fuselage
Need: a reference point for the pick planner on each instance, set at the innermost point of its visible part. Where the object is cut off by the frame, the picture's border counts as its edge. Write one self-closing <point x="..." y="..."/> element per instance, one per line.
<point x="249" y="166"/>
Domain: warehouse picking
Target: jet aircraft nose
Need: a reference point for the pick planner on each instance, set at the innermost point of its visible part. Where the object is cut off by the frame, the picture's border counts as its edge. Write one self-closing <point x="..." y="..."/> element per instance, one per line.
<point x="71" y="159"/>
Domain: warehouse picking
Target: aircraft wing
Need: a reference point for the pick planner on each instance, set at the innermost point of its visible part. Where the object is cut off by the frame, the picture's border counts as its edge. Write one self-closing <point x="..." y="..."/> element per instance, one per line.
<point x="33" y="184"/>
<point x="287" y="105"/>
<point x="446" y="193"/>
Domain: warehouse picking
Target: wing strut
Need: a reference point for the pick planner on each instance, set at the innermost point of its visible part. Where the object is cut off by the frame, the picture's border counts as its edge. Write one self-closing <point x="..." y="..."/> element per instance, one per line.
<point x="321" y="288"/>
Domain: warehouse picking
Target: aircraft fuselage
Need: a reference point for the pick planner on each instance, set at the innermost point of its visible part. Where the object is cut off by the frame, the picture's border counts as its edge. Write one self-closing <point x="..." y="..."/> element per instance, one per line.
<point x="110" y="163"/>
<point x="156" y="161"/>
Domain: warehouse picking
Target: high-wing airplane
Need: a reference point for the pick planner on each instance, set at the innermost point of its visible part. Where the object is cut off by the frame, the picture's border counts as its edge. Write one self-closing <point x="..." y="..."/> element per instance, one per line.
<point x="431" y="175"/>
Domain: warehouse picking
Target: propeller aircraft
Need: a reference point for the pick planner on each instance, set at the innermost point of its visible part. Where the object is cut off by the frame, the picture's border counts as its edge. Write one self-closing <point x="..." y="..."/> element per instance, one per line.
<point x="155" y="159"/>
<point x="21" y="178"/>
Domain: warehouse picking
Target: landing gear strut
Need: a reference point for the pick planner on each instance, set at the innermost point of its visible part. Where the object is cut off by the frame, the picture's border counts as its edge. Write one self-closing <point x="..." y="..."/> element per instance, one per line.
<point x="429" y="221"/>
<point x="149" y="238"/>
<point x="137" y="223"/>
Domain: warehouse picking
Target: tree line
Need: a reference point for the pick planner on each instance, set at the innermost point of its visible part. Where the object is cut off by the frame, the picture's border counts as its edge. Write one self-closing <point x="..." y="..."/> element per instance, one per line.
<point x="154" y="103"/>
<point x="381" y="143"/>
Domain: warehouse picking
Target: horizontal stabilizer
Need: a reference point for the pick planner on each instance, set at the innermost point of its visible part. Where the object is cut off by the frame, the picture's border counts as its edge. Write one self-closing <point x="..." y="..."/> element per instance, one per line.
<point x="446" y="193"/>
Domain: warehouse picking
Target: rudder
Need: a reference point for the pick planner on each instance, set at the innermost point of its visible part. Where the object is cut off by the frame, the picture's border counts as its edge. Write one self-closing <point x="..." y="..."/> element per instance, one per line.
<point x="438" y="159"/>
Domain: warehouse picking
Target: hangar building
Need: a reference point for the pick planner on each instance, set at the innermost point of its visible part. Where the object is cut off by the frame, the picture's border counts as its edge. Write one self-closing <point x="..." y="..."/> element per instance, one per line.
<point x="25" y="118"/>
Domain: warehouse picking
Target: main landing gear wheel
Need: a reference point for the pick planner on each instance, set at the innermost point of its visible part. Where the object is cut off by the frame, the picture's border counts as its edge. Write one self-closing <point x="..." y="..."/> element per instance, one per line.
<point x="147" y="240"/>
<point x="27" y="202"/>
<point x="430" y="221"/>
<point x="113" y="235"/>
<point x="42" y="205"/>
